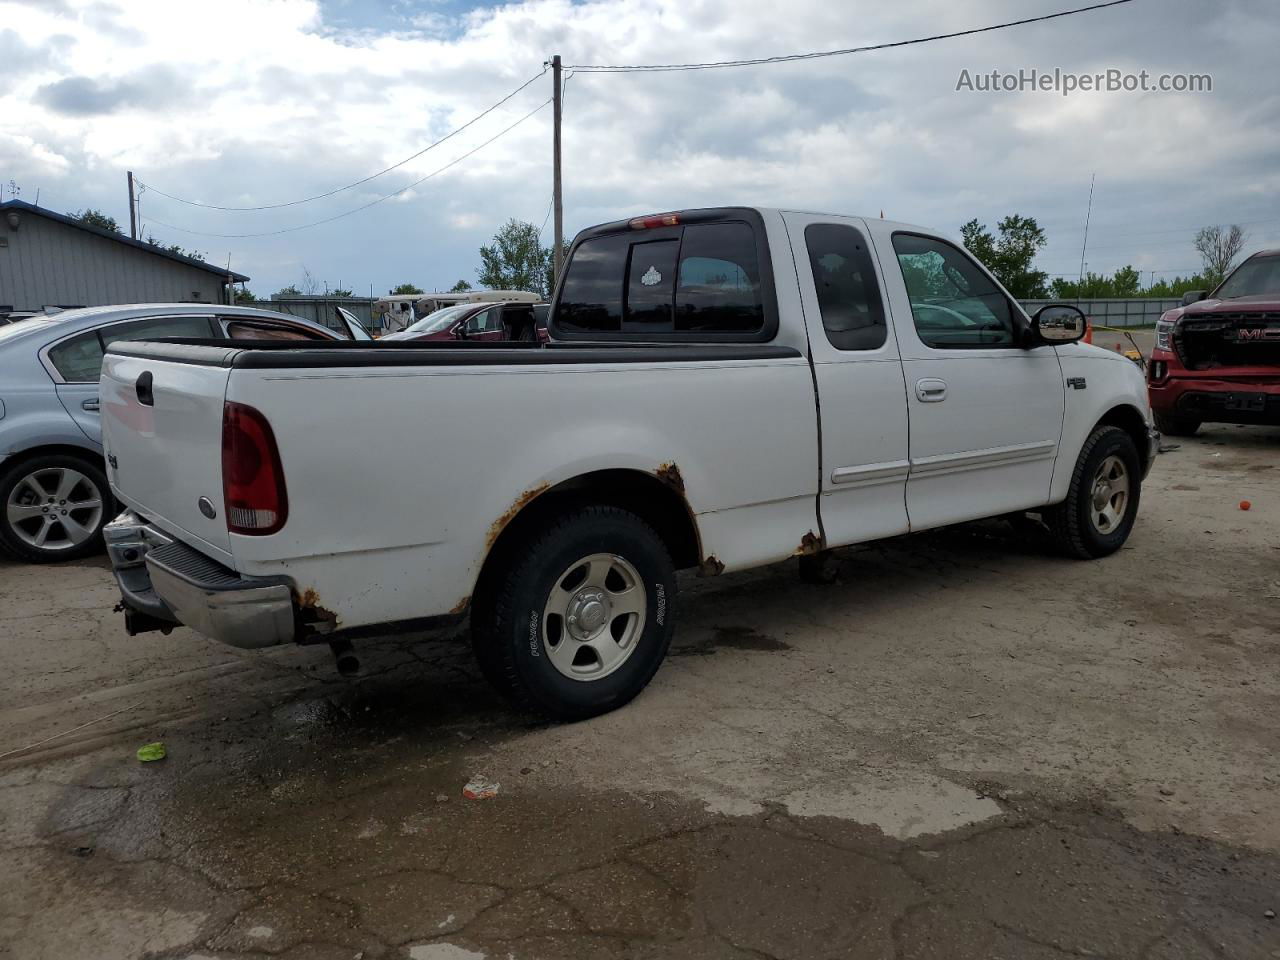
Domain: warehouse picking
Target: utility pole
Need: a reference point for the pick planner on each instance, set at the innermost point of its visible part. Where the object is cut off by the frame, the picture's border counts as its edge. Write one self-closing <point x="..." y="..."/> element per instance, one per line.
<point x="556" y="193"/>
<point x="133" y="210"/>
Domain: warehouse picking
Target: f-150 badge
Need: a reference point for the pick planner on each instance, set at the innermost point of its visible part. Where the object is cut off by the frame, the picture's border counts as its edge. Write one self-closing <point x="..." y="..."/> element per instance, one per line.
<point x="651" y="277"/>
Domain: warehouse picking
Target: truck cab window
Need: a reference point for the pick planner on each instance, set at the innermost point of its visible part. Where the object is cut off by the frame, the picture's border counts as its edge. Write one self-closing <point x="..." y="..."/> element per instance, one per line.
<point x="719" y="288"/>
<point x="845" y="281"/>
<point x="954" y="303"/>
<point x="650" y="278"/>
<point x="674" y="283"/>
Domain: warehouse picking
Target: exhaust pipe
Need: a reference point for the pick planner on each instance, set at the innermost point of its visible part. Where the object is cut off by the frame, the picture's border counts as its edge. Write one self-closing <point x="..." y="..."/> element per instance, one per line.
<point x="344" y="657"/>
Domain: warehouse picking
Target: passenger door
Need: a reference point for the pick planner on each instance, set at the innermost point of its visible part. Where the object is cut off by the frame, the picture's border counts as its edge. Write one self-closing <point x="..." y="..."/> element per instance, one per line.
<point x="861" y="397"/>
<point x="985" y="413"/>
<point x="77" y="362"/>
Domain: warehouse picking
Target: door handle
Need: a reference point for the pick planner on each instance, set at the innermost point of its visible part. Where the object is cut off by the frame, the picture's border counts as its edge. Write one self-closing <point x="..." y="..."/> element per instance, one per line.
<point x="931" y="390"/>
<point x="143" y="388"/>
<point x="91" y="405"/>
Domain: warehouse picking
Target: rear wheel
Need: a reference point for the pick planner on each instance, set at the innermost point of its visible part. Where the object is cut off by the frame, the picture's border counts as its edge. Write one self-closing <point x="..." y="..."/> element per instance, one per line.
<point x="1173" y="426"/>
<point x="53" y="508"/>
<point x="1102" y="501"/>
<point x="577" y="618"/>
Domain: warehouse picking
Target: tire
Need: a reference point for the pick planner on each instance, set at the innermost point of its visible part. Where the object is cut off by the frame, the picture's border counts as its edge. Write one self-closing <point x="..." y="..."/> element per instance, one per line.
<point x="583" y="564"/>
<point x="1082" y="528"/>
<point x="58" y="486"/>
<point x="1172" y="426"/>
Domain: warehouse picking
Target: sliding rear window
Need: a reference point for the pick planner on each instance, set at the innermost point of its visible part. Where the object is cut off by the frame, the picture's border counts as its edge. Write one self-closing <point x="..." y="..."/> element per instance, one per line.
<point x="697" y="281"/>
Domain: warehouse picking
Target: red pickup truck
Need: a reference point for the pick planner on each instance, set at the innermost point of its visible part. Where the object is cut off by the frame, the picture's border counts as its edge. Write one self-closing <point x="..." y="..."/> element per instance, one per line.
<point x="1217" y="357"/>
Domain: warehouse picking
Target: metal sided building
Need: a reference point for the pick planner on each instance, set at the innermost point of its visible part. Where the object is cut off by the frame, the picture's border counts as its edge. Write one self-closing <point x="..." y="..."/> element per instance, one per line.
<point x="50" y="260"/>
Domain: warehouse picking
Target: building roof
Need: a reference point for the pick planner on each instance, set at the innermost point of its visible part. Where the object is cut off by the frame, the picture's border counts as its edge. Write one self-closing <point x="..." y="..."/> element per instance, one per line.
<point x="24" y="207"/>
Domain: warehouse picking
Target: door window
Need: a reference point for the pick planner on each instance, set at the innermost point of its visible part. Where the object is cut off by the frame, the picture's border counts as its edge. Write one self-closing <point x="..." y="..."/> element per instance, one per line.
<point x="954" y="304"/>
<point x="484" y="322"/>
<point x="79" y="360"/>
<point x="845" y="280"/>
<point x="156" y="328"/>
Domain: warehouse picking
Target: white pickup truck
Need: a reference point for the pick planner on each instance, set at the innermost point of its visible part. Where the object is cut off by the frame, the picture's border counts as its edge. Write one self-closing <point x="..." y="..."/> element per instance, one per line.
<point x="725" y="388"/>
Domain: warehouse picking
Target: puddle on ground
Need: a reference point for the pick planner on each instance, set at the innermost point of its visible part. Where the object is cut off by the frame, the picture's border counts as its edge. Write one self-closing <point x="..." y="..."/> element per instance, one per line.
<point x="732" y="638"/>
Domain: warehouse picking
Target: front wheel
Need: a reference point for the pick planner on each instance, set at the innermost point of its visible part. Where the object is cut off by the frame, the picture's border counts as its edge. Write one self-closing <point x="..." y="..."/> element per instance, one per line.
<point x="578" y="617"/>
<point x="1102" y="501"/>
<point x="53" y="508"/>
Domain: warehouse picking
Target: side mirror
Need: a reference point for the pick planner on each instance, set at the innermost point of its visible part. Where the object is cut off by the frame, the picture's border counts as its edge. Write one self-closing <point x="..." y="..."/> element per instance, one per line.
<point x="1059" y="323"/>
<point x="1193" y="296"/>
<point x="460" y="332"/>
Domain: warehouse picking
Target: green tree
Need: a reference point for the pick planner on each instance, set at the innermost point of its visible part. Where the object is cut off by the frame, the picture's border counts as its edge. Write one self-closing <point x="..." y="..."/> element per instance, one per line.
<point x="1010" y="255"/>
<point x="516" y="260"/>
<point x="244" y="295"/>
<point x="174" y="248"/>
<point x="339" y="292"/>
<point x="460" y="287"/>
<point x="404" y="289"/>
<point x="1178" y="286"/>
<point x="1125" y="282"/>
<point x="95" y="218"/>
<point x="290" y="291"/>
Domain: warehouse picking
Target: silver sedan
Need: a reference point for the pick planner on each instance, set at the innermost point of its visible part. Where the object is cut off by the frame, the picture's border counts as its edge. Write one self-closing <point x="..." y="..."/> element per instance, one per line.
<point x="54" y="496"/>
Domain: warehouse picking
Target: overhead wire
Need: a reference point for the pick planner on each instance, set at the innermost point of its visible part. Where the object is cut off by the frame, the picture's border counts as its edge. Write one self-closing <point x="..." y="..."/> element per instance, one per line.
<point x="789" y="58"/>
<point x="366" y="206"/>
<point x="363" y="180"/>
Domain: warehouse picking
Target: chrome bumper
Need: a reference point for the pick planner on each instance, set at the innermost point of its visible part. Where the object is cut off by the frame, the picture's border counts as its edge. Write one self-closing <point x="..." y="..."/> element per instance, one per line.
<point x="163" y="583"/>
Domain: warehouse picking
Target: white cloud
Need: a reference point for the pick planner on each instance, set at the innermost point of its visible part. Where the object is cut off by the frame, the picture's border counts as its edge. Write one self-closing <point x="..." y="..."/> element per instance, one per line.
<point x="240" y="102"/>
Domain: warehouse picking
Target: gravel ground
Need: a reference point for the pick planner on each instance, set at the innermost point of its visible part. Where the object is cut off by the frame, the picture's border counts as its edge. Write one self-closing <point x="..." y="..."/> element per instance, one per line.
<point x="965" y="748"/>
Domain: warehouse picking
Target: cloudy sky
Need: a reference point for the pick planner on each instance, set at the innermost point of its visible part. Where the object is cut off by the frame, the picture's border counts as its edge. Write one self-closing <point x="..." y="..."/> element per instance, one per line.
<point x="260" y="102"/>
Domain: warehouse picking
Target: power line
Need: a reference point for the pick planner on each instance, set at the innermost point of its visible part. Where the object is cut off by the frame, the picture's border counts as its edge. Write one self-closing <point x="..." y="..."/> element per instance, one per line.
<point x="366" y="206"/>
<point x="719" y="64"/>
<point x="372" y="176"/>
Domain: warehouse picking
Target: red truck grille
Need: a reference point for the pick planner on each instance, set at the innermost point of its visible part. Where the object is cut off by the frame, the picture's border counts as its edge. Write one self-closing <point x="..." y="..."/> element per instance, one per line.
<point x="1228" y="340"/>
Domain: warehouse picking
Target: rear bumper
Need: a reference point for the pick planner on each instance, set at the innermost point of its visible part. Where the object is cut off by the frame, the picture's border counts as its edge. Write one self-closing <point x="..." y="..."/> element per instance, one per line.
<point x="163" y="582"/>
<point x="1217" y="401"/>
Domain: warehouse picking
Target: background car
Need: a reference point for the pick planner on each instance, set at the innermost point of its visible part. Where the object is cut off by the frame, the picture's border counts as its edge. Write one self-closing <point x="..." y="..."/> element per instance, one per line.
<point x="54" y="497"/>
<point x="1217" y="357"/>
<point x="480" y="321"/>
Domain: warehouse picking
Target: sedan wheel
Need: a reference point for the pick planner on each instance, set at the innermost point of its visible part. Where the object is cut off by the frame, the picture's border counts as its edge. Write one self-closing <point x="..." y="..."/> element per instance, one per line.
<point x="54" y="509"/>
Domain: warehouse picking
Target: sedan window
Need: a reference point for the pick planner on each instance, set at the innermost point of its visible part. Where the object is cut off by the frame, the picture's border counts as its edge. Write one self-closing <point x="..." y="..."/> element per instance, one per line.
<point x="78" y="360"/>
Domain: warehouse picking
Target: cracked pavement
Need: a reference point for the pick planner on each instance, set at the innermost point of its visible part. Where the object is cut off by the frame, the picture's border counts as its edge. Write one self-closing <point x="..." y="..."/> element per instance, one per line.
<point x="967" y="748"/>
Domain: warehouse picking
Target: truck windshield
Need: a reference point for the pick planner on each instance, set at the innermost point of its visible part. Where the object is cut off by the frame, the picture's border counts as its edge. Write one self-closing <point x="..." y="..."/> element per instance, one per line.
<point x="435" y="322"/>
<point x="1255" y="277"/>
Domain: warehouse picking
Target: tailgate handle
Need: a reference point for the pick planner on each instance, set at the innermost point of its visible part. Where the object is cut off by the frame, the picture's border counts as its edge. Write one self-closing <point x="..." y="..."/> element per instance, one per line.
<point x="143" y="387"/>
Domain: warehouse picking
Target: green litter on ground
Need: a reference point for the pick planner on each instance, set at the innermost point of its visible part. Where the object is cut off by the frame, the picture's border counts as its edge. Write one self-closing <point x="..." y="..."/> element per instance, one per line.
<point x="151" y="751"/>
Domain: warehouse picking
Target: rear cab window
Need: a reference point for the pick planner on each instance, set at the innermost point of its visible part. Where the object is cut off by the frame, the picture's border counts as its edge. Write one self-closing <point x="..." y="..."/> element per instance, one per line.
<point x="706" y="277"/>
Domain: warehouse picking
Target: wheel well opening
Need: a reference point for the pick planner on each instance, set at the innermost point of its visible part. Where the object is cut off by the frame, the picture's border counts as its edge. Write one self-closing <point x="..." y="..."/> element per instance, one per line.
<point x="657" y="503"/>
<point x="53" y="450"/>
<point x="1131" y="422"/>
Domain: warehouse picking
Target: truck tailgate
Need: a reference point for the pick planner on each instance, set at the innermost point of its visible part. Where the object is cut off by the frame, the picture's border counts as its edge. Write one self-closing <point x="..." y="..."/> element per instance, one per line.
<point x="165" y="456"/>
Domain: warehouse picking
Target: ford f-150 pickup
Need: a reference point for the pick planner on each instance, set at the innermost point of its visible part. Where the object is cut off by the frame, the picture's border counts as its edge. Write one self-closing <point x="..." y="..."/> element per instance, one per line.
<point x="724" y="388"/>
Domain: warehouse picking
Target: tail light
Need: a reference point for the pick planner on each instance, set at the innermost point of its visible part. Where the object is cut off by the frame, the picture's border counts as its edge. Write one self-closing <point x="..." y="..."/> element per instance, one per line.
<point x="252" y="478"/>
<point x="660" y="220"/>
